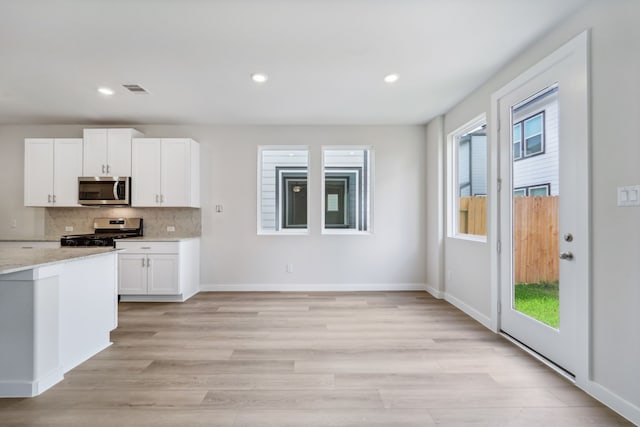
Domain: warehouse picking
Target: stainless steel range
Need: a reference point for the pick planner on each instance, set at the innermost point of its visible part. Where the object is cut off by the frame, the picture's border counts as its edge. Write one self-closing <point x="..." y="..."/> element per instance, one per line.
<point x="106" y="232"/>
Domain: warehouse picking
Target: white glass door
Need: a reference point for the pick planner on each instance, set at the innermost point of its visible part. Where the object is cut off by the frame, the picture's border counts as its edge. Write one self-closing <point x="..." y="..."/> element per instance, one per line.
<point x="544" y="211"/>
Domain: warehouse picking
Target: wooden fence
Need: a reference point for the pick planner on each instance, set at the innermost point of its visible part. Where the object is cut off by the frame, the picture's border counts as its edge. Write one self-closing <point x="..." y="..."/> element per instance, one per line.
<point x="535" y="236"/>
<point x="473" y="215"/>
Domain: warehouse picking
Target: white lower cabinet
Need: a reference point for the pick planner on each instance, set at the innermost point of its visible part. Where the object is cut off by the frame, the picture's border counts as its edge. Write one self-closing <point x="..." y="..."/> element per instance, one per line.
<point x="158" y="271"/>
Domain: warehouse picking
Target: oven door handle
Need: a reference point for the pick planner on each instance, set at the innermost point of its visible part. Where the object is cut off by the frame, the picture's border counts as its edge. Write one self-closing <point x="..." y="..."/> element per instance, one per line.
<point x="116" y="196"/>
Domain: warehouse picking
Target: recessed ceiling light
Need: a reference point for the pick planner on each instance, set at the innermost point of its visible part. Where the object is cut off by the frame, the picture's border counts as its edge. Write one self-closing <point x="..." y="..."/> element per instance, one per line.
<point x="105" y="91"/>
<point x="391" y="78"/>
<point x="259" y="77"/>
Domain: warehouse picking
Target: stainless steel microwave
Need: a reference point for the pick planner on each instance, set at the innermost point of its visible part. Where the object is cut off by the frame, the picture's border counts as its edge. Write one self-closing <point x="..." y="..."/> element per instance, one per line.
<point x="104" y="190"/>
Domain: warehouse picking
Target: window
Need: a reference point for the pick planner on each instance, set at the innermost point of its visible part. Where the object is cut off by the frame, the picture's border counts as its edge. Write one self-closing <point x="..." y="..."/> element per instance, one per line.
<point x="517" y="141"/>
<point x="531" y="131"/>
<point x="467" y="154"/>
<point x="346" y="186"/>
<point x="282" y="190"/>
<point x="519" y="192"/>
<point x="533" y="190"/>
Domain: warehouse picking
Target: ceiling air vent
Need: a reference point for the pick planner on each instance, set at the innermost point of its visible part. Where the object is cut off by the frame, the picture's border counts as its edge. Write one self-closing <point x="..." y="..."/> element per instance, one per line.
<point x="136" y="89"/>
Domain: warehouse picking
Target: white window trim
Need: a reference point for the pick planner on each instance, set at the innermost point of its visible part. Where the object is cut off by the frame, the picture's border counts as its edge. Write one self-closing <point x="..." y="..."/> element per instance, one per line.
<point x="286" y="231"/>
<point x="347" y="231"/>
<point x="452" y="180"/>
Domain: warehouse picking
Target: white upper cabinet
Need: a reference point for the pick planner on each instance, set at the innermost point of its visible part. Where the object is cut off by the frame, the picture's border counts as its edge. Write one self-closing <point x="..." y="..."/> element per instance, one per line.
<point x="145" y="172"/>
<point x="107" y="152"/>
<point x="165" y="172"/>
<point x="51" y="171"/>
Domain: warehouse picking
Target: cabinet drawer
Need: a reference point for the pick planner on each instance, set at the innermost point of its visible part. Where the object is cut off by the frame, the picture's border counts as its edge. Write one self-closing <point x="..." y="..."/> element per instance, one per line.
<point x="149" y="247"/>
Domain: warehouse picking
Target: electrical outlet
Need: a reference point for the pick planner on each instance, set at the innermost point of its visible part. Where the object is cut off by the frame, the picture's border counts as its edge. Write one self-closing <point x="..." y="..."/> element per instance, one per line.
<point x="14" y="223"/>
<point x="171" y="228"/>
<point x="219" y="208"/>
<point x="68" y="228"/>
<point x="289" y="268"/>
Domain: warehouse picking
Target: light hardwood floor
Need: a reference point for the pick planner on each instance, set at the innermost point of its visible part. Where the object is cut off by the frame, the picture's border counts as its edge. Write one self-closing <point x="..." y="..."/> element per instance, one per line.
<point x="299" y="359"/>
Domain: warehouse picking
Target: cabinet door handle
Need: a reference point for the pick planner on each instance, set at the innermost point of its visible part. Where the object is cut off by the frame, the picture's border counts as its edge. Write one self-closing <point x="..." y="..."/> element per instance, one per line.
<point x="102" y="168"/>
<point x="162" y="198"/>
<point x="108" y="167"/>
<point x="157" y="198"/>
<point x="143" y="262"/>
<point x="148" y="263"/>
<point x="145" y="247"/>
<point x="48" y="198"/>
<point x="54" y="198"/>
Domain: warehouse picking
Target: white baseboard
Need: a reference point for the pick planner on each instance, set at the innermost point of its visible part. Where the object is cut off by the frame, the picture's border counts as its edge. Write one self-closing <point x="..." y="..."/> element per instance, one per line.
<point x="612" y="400"/>
<point x="312" y="287"/>
<point x="31" y="388"/>
<point x="152" y="298"/>
<point x="481" y="318"/>
<point x="436" y="293"/>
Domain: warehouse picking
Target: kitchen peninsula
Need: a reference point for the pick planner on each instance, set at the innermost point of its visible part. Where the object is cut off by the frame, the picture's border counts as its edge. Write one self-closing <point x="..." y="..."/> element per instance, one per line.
<point x="57" y="308"/>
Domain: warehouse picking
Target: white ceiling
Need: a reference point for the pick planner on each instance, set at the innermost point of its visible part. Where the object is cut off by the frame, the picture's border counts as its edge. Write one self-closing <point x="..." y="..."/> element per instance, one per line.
<point x="325" y="58"/>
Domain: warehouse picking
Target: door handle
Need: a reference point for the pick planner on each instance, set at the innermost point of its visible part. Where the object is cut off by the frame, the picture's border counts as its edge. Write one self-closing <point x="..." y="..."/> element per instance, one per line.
<point x="116" y="195"/>
<point x="566" y="255"/>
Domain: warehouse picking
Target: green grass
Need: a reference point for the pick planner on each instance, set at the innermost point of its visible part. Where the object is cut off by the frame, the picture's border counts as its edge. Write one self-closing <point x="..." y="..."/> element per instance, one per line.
<point x="540" y="301"/>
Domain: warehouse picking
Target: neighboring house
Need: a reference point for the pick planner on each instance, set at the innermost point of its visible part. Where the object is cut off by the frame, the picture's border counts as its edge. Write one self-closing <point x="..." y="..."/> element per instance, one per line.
<point x="472" y="163"/>
<point x="535" y="151"/>
<point x="535" y="146"/>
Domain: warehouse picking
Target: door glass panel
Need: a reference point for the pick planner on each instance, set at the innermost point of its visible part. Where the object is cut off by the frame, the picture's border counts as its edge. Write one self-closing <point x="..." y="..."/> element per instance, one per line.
<point x="535" y="284"/>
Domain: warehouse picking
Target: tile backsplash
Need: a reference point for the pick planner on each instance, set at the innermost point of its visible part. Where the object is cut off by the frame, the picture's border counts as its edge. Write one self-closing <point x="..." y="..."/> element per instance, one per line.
<point x="187" y="221"/>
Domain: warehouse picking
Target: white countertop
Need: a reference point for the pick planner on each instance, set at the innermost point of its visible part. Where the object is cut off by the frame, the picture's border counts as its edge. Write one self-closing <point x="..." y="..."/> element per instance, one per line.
<point x="14" y="260"/>
<point x="32" y="239"/>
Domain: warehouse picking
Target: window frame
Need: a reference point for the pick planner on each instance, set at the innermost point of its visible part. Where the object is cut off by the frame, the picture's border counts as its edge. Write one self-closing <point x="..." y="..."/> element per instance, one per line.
<point x="281" y="231"/>
<point x="527" y="190"/>
<point x="363" y="178"/>
<point x="453" y="187"/>
<point x="524" y="154"/>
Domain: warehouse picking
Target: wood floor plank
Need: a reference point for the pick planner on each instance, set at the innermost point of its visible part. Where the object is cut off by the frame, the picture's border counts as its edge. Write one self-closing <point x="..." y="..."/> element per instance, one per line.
<point x="287" y="399"/>
<point x="307" y="359"/>
<point x="370" y="417"/>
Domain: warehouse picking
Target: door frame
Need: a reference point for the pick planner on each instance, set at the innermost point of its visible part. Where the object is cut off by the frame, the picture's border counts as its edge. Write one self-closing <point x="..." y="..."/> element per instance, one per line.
<point x="578" y="48"/>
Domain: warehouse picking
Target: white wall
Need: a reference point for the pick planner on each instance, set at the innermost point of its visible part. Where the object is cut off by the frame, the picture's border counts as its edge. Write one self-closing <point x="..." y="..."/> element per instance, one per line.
<point x="615" y="87"/>
<point x="435" y="207"/>
<point x="232" y="252"/>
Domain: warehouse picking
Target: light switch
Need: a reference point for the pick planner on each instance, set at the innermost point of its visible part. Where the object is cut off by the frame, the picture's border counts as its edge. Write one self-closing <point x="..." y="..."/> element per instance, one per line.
<point x="629" y="196"/>
<point x="219" y="208"/>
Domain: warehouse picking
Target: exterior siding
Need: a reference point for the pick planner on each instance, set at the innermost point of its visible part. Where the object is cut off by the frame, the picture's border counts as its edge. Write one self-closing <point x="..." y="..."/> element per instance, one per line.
<point x="478" y="165"/>
<point x="542" y="168"/>
<point x="272" y="158"/>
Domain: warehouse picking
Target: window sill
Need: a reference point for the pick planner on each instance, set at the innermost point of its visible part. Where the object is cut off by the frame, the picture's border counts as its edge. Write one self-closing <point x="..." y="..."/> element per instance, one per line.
<point x="304" y="232"/>
<point x="470" y="238"/>
<point x="345" y="232"/>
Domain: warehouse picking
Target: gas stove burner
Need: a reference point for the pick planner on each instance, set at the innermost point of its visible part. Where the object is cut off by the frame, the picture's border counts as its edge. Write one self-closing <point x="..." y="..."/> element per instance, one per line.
<point x="107" y="231"/>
